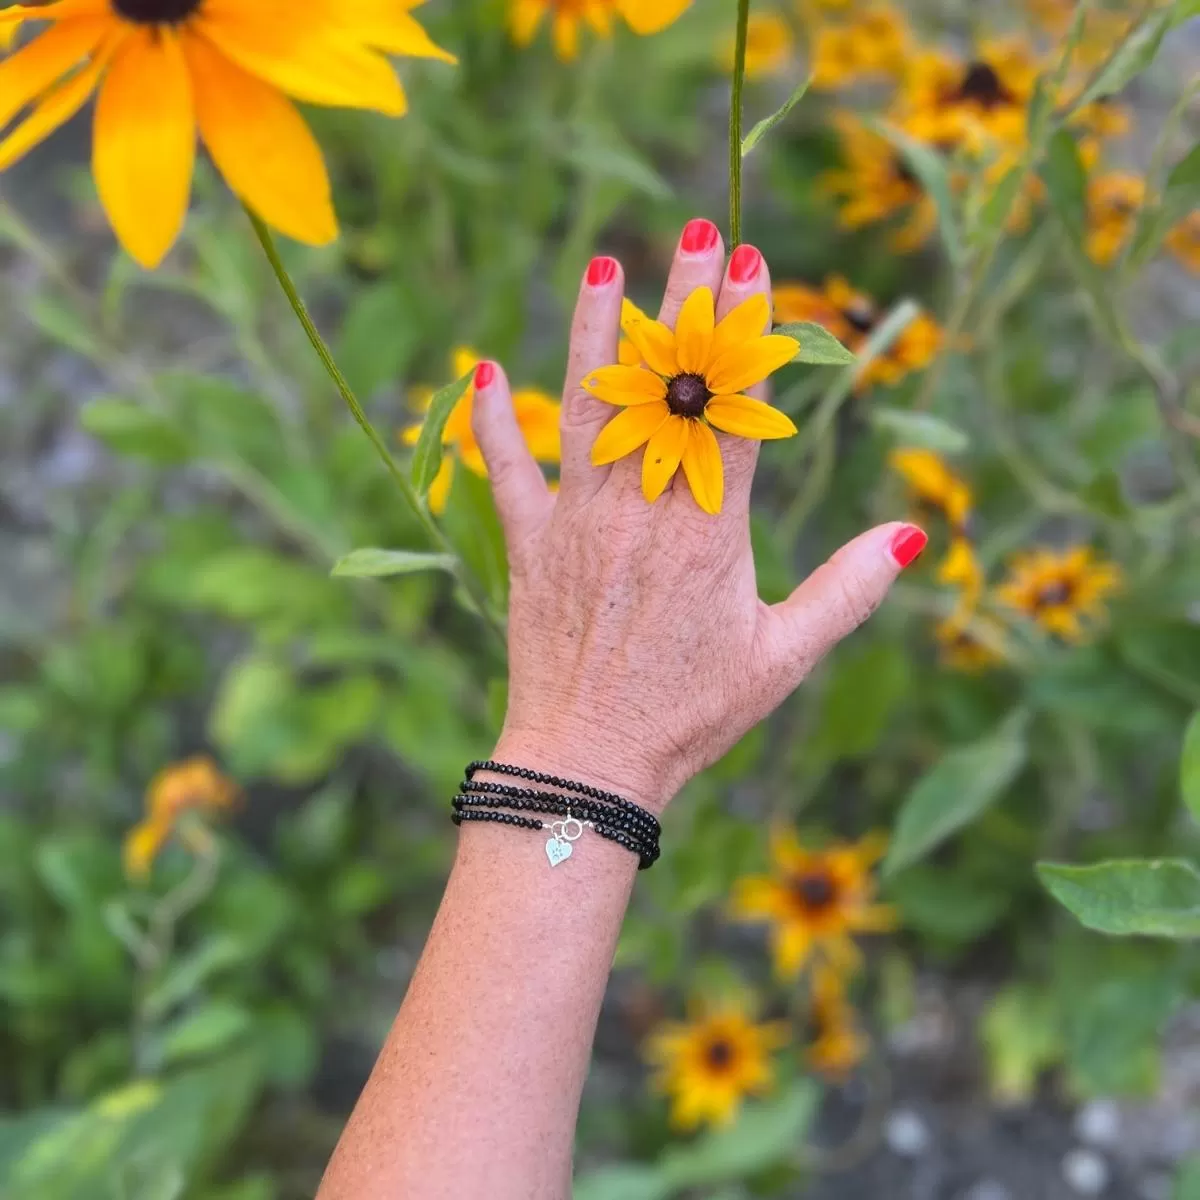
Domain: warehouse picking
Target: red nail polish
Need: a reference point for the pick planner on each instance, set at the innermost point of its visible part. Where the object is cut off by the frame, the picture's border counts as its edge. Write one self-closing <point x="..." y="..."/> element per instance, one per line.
<point x="908" y="544"/>
<point x="601" y="270"/>
<point x="699" y="237"/>
<point x="745" y="264"/>
<point x="484" y="374"/>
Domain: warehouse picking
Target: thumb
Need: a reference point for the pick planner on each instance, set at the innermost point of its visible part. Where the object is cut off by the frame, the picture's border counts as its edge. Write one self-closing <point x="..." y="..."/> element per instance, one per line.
<point x="839" y="596"/>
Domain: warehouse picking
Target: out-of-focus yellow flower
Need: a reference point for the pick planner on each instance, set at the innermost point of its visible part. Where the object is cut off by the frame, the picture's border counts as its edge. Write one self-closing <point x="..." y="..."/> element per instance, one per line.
<point x="1113" y="201"/>
<point x="816" y="900"/>
<point x="711" y="1063"/>
<point x="875" y="184"/>
<point x="566" y="17"/>
<point x="193" y="785"/>
<point x="537" y="415"/>
<point x="961" y="569"/>
<point x="836" y="1044"/>
<point x="1183" y="241"/>
<point x="970" y="642"/>
<point x="769" y="46"/>
<point x="933" y="485"/>
<point x="874" y="44"/>
<point x="1062" y="591"/>
<point x="168" y="70"/>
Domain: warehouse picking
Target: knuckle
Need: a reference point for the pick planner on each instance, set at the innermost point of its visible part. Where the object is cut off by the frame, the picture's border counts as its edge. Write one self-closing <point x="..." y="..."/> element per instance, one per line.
<point x="581" y="410"/>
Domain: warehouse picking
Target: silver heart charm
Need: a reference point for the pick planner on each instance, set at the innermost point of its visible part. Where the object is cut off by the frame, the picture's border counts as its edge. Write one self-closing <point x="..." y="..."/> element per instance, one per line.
<point x="558" y="851"/>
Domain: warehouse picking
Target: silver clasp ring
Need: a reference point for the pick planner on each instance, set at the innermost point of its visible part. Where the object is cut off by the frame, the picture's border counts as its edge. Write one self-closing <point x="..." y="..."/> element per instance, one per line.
<point x="566" y="834"/>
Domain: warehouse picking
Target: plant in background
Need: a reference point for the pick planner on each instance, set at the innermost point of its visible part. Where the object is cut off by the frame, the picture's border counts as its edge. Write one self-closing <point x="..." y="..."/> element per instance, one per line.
<point x="566" y="16"/>
<point x="836" y="1045"/>
<point x="1062" y="591"/>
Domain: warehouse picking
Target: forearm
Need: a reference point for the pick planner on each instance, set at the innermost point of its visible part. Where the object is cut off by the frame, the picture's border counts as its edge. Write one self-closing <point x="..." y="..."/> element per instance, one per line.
<point x="477" y="1089"/>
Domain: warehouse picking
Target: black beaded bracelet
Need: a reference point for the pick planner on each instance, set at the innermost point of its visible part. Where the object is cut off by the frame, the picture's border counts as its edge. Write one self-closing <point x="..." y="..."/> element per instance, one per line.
<point x="579" y="806"/>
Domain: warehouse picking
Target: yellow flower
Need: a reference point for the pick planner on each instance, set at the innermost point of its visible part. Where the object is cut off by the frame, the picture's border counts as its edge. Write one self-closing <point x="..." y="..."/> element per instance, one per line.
<point x="836" y="1044"/>
<point x="628" y="354"/>
<point x="875" y="184"/>
<point x="566" y="16"/>
<point x="1061" y="591"/>
<point x="874" y="44"/>
<point x="537" y="415"/>
<point x="1184" y="242"/>
<point x="961" y="569"/>
<point x="166" y="70"/>
<point x="971" y="643"/>
<point x="1113" y="201"/>
<point x="769" y="45"/>
<point x="815" y="901"/>
<point x="710" y="1064"/>
<point x="694" y="384"/>
<point x="933" y="485"/>
<point x="194" y="785"/>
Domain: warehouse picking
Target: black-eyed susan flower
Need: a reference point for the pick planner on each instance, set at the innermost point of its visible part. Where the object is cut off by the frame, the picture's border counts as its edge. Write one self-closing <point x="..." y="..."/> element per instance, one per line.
<point x="567" y="16"/>
<point x="166" y="71"/>
<point x="874" y="44"/>
<point x="933" y="486"/>
<point x="836" y="1043"/>
<point x="851" y="316"/>
<point x="711" y="1063"/>
<point x="874" y="184"/>
<point x="971" y="642"/>
<point x="192" y="786"/>
<point x="1062" y="591"/>
<point x="1113" y="202"/>
<point x="769" y="46"/>
<point x="816" y="901"/>
<point x="1183" y="241"/>
<point x="537" y="415"/>
<point x="692" y="382"/>
<point x="961" y="569"/>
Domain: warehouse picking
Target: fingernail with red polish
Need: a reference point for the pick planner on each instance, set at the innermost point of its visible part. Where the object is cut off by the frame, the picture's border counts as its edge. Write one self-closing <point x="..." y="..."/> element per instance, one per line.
<point x="484" y="374"/>
<point x="908" y="544"/>
<point x="745" y="264"/>
<point x="699" y="237"/>
<point x="601" y="270"/>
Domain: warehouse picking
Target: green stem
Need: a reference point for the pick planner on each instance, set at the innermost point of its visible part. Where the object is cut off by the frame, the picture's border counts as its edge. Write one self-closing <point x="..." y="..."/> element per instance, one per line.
<point x="735" y="126"/>
<point x="428" y="524"/>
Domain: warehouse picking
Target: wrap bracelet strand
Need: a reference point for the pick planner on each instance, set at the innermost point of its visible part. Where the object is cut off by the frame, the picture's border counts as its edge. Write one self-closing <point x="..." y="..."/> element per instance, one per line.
<point x="579" y="806"/>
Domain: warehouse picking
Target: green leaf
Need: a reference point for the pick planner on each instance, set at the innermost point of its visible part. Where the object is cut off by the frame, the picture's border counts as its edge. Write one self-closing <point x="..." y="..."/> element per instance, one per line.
<point x="763" y="127"/>
<point x="381" y="331"/>
<point x="930" y="168"/>
<point x="601" y="153"/>
<point x="964" y="783"/>
<point x="1187" y="1182"/>
<point x="132" y="429"/>
<point x="372" y="563"/>
<point x="909" y="428"/>
<point x="1066" y="178"/>
<point x="817" y="345"/>
<point x="1131" y="59"/>
<point x="64" y="325"/>
<point x="1189" y="766"/>
<point x="993" y="212"/>
<point x="1155" y="897"/>
<point x="1180" y="195"/>
<point x="427" y="457"/>
<point x="189" y="972"/>
<point x="212" y="1027"/>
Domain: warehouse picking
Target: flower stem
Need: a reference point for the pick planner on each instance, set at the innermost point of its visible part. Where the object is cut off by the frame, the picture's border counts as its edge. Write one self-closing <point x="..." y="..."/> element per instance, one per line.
<point x="428" y="524"/>
<point x="735" y="127"/>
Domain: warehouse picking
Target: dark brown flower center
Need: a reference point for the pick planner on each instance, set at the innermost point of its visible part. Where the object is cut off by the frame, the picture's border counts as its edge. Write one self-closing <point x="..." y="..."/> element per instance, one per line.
<point x="814" y="890"/>
<point x="687" y="395"/>
<point x="860" y="316"/>
<point x="1054" y="595"/>
<point x="718" y="1054"/>
<point x="156" y="12"/>
<point x="984" y="86"/>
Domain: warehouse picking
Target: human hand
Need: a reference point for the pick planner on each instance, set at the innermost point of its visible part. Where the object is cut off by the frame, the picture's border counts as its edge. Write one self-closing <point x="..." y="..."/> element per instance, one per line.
<point x="639" y="649"/>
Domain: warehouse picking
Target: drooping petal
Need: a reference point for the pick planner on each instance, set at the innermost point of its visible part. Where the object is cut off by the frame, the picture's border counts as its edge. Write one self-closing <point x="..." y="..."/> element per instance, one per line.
<point x="746" y="323"/>
<point x="306" y="60"/>
<point x="142" y="845"/>
<point x="629" y="429"/>
<point x="650" y="16"/>
<point x="792" y="944"/>
<point x="144" y="146"/>
<point x="694" y="331"/>
<point x="625" y="385"/>
<point x="656" y="344"/>
<point x="703" y="468"/>
<point x="750" y="363"/>
<point x="566" y="36"/>
<point x="26" y="75"/>
<point x="663" y="452"/>
<point x="261" y="145"/>
<point x="439" y="489"/>
<point x="526" y="17"/>
<point x="746" y="417"/>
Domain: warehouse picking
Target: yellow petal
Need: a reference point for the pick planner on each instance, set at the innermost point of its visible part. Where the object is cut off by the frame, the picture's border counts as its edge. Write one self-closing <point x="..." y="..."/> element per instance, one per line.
<point x="750" y="363"/>
<point x="656" y="345"/>
<point x="703" y="468"/>
<point x="27" y="74"/>
<point x="629" y="429"/>
<point x="142" y="845"/>
<point x="566" y="36"/>
<point x="663" y="452"/>
<point x="56" y="109"/>
<point x="144" y="145"/>
<point x="630" y="315"/>
<point x="382" y="24"/>
<point x="694" y="331"/>
<point x="439" y="489"/>
<point x="625" y="385"/>
<point x="261" y="145"/>
<point x="746" y="323"/>
<point x="301" y="58"/>
<point x="526" y="17"/>
<point x="650" y="16"/>
<point x="748" y="418"/>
